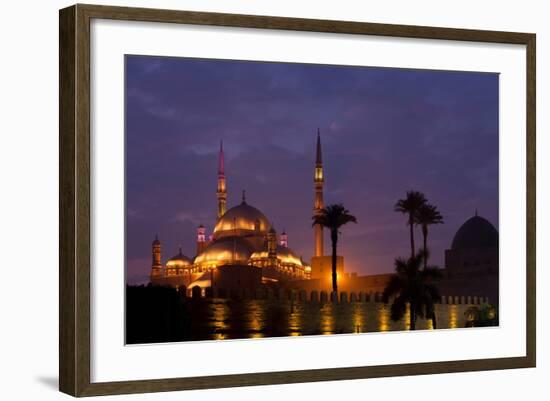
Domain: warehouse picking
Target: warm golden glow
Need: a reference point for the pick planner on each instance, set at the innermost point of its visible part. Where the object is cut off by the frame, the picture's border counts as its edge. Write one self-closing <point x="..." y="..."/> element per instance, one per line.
<point x="318" y="173"/>
<point x="383" y="318"/>
<point x="177" y="263"/>
<point x="327" y="319"/>
<point x="220" y="318"/>
<point x="453" y="316"/>
<point x="222" y="252"/>
<point x="284" y="257"/>
<point x="242" y="217"/>
<point x="295" y="320"/>
<point x="407" y="317"/>
<point x="357" y="318"/>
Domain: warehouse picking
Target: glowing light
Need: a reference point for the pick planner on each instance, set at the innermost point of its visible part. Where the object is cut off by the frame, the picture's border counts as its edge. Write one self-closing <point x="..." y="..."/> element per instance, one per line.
<point x="318" y="173"/>
<point x="295" y="320"/>
<point x="256" y="316"/>
<point x="220" y="314"/>
<point x="357" y="318"/>
<point x="327" y="319"/>
<point x="383" y="318"/>
<point x="177" y="263"/>
<point x="453" y="316"/>
<point x="407" y="317"/>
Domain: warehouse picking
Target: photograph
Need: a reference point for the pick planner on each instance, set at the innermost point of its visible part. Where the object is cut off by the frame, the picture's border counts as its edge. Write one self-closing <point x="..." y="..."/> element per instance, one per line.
<point x="270" y="199"/>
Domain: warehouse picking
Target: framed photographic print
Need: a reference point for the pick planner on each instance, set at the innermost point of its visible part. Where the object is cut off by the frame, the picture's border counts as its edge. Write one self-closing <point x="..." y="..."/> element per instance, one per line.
<point x="250" y="200"/>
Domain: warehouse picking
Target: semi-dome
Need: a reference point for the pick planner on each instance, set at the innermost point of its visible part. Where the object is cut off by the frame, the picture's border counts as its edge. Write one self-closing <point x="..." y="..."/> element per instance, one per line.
<point x="180" y="260"/>
<point x="285" y="255"/>
<point x="224" y="251"/>
<point x="476" y="232"/>
<point x="242" y="217"/>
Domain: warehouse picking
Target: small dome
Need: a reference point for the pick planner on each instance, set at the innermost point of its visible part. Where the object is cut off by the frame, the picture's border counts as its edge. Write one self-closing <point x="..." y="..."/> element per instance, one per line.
<point x="156" y="241"/>
<point x="223" y="251"/>
<point x="180" y="260"/>
<point x="242" y="217"/>
<point x="476" y="232"/>
<point x="285" y="255"/>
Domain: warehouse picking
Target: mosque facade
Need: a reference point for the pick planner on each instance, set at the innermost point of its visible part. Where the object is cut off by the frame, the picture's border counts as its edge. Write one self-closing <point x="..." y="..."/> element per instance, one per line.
<point x="244" y="249"/>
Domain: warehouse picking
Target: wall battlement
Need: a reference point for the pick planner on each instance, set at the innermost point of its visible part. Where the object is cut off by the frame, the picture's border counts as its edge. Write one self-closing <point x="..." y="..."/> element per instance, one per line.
<point x="315" y="296"/>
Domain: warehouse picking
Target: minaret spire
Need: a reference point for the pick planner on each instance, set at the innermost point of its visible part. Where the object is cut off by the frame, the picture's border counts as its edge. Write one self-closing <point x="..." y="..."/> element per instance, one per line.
<point x="318" y="203"/>
<point x="221" y="193"/>
<point x="319" y="154"/>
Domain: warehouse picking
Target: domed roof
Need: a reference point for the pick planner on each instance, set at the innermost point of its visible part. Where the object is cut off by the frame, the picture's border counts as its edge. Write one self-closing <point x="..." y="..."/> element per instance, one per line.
<point x="285" y="255"/>
<point x="223" y="251"/>
<point x="476" y="232"/>
<point x="242" y="217"/>
<point x="179" y="260"/>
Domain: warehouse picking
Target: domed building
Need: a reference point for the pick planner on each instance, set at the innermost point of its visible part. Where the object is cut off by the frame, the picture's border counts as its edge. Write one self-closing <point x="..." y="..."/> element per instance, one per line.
<point x="474" y="249"/>
<point x="471" y="264"/>
<point x="243" y="242"/>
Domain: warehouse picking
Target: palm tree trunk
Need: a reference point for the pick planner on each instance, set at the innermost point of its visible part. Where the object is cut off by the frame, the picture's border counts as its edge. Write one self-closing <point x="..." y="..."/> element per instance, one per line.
<point x="412" y="318"/>
<point x="334" y="239"/>
<point x="411" y="225"/>
<point x="425" y="234"/>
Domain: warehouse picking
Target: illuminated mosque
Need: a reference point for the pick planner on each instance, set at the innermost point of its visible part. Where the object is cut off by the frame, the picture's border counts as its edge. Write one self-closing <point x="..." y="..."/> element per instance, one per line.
<point x="245" y="252"/>
<point x="244" y="249"/>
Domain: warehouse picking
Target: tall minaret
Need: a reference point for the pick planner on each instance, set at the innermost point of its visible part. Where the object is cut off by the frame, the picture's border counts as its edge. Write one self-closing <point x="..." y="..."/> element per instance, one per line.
<point x="222" y="194"/>
<point x="156" y="266"/>
<point x="318" y="203"/>
<point x="156" y="252"/>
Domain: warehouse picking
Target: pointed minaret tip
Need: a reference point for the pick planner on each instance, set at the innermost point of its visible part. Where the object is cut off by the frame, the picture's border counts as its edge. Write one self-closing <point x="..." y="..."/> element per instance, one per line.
<point x="319" y="155"/>
<point x="221" y="161"/>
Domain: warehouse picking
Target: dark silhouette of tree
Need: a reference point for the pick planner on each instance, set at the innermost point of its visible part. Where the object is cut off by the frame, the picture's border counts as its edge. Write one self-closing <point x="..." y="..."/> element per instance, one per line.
<point x="333" y="217"/>
<point x="414" y="286"/>
<point x="410" y="206"/>
<point x="425" y="216"/>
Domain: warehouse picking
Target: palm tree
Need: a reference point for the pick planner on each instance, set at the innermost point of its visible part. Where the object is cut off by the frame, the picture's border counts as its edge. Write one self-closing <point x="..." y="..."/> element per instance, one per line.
<point x="427" y="215"/>
<point x="333" y="217"/>
<point x="414" y="286"/>
<point x="410" y="206"/>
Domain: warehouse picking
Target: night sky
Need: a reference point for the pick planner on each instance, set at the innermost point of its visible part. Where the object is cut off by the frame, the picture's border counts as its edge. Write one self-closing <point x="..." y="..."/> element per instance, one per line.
<point x="384" y="131"/>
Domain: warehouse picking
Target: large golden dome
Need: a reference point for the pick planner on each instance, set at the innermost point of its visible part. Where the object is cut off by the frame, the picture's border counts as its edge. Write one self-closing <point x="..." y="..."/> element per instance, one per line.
<point x="228" y="250"/>
<point x="242" y="217"/>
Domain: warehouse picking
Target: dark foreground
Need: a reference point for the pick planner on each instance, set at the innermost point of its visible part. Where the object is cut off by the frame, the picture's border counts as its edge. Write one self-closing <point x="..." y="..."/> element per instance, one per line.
<point x="162" y="314"/>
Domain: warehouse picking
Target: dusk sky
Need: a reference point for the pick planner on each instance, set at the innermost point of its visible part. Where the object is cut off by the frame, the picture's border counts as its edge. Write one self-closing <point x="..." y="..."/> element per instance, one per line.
<point x="384" y="131"/>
